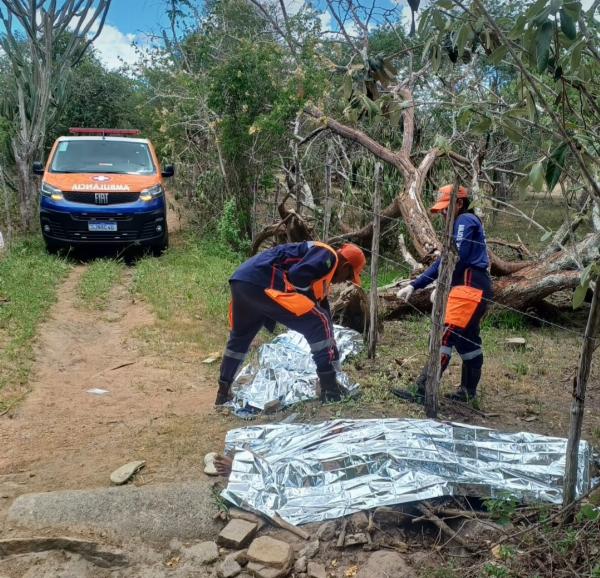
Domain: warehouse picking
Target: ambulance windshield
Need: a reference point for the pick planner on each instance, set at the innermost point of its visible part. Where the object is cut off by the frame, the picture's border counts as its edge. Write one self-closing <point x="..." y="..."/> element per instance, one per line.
<point x="102" y="156"/>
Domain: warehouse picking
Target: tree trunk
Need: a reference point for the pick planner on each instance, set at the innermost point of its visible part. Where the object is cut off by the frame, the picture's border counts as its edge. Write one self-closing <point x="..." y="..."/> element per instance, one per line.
<point x="530" y="285"/>
<point x="434" y="363"/>
<point x="525" y="283"/>
<point x="27" y="191"/>
<point x="373" y="301"/>
<point x="578" y="402"/>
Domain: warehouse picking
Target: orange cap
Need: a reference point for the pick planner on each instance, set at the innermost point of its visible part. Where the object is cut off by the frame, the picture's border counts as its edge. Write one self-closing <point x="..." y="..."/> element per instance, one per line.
<point x="355" y="257"/>
<point x="445" y="196"/>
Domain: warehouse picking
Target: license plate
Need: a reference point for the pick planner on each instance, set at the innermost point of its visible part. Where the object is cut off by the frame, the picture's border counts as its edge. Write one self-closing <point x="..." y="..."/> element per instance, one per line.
<point x="102" y="226"/>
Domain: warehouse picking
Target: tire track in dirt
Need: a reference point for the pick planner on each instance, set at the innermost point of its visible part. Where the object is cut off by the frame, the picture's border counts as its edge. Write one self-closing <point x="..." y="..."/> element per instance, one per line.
<point x="64" y="437"/>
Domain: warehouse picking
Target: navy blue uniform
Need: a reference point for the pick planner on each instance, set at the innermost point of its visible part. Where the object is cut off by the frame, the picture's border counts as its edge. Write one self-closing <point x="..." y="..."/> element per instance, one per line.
<point x="301" y="264"/>
<point x="471" y="270"/>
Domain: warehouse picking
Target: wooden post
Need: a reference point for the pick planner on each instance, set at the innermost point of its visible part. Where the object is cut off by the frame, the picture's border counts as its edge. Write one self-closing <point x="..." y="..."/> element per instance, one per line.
<point x="578" y="403"/>
<point x="327" y="204"/>
<point x="373" y="297"/>
<point x="449" y="259"/>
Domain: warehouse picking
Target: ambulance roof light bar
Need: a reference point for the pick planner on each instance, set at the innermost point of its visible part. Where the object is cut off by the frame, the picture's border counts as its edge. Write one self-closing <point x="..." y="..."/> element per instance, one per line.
<point x="105" y="131"/>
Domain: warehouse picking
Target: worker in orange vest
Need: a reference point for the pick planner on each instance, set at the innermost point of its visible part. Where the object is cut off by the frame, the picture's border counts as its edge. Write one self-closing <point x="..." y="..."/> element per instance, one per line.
<point x="471" y="290"/>
<point x="289" y="284"/>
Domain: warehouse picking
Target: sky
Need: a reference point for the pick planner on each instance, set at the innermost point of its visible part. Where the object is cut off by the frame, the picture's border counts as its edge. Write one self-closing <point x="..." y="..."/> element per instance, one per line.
<point x="138" y="21"/>
<point x="128" y="22"/>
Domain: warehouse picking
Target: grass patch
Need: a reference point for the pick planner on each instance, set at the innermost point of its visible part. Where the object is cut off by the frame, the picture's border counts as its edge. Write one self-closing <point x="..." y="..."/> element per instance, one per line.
<point x="189" y="291"/>
<point x="29" y="279"/>
<point x="388" y="273"/>
<point x="95" y="284"/>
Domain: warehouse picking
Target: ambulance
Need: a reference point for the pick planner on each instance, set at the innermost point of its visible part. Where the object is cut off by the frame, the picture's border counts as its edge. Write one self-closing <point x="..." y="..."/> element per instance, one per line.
<point x="103" y="186"/>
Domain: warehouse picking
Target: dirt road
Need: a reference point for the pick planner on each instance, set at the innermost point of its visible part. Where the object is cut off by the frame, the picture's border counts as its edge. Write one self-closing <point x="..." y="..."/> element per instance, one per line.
<point x="157" y="406"/>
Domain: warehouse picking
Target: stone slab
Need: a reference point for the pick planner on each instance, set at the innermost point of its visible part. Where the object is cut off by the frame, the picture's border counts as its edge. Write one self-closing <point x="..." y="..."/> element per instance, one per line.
<point x="237" y="533"/>
<point x="270" y="552"/>
<point x="154" y="513"/>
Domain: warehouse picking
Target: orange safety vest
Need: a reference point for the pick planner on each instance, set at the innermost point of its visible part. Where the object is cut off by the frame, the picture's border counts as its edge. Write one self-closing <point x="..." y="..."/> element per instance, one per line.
<point x="463" y="301"/>
<point x="299" y="304"/>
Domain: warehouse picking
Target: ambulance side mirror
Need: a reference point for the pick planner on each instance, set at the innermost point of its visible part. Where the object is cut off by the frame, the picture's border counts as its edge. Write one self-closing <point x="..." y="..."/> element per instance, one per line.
<point x="38" y="168"/>
<point x="168" y="171"/>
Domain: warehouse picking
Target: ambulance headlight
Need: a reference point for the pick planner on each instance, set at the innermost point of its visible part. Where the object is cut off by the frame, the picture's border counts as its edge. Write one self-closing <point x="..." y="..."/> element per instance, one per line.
<point x="51" y="192"/>
<point x="152" y="193"/>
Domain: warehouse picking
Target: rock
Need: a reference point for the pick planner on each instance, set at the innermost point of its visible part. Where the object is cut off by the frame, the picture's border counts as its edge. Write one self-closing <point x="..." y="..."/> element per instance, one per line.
<point x="215" y="356"/>
<point x="316" y="570"/>
<point x="300" y="565"/>
<point x="260" y="571"/>
<point x="515" y="342"/>
<point x="478" y="530"/>
<point x="203" y="553"/>
<point x="228" y="568"/>
<point x="391" y="517"/>
<point x="272" y="406"/>
<point x="420" y="559"/>
<point x="326" y="531"/>
<point x="209" y="464"/>
<point x="359" y="521"/>
<point x="310" y="550"/>
<point x="248" y="516"/>
<point x="126" y="472"/>
<point x="154" y="513"/>
<point x="385" y="564"/>
<point x="267" y="551"/>
<point x="237" y="534"/>
<point x="357" y="539"/>
<point x="241" y="557"/>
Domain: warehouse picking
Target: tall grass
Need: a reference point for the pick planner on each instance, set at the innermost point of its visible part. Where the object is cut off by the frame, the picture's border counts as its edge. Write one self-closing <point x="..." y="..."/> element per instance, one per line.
<point x="29" y="281"/>
<point x="189" y="285"/>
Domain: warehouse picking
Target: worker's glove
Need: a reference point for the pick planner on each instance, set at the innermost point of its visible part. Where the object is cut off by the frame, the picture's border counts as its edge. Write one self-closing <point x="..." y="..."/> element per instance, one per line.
<point x="432" y="296"/>
<point x="405" y="293"/>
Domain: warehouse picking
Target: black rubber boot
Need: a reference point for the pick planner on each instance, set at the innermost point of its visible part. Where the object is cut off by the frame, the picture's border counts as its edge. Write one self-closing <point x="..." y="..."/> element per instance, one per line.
<point x="469" y="379"/>
<point x="223" y="393"/>
<point x="331" y="390"/>
<point x="416" y="394"/>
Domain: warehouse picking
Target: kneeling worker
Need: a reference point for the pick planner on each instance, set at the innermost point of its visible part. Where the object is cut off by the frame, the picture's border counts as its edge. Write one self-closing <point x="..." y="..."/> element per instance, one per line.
<point x="289" y="284"/>
<point x="471" y="289"/>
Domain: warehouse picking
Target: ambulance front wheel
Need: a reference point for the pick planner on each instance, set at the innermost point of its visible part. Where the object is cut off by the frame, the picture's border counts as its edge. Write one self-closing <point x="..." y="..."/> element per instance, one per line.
<point x="54" y="247"/>
<point x="159" y="248"/>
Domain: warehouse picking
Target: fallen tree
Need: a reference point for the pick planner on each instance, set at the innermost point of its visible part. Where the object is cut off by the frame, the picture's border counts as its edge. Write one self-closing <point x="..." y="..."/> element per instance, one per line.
<point x="518" y="284"/>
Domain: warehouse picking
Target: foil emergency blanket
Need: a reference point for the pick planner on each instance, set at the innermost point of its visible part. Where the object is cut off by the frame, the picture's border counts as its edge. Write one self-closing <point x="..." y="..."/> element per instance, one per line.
<point x="285" y="373"/>
<point x="314" y="472"/>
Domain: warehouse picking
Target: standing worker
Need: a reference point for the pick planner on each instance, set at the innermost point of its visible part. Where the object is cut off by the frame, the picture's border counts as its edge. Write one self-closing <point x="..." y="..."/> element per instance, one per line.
<point x="289" y="284"/>
<point x="471" y="289"/>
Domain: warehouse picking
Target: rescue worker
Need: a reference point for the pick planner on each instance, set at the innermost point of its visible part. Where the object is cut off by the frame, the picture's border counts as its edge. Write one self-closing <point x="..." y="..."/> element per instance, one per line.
<point x="471" y="289"/>
<point x="289" y="284"/>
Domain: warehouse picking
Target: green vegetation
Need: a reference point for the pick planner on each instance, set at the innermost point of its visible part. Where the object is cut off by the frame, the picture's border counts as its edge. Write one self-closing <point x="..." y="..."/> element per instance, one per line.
<point x="96" y="282"/>
<point x="388" y="273"/>
<point x="29" y="280"/>
<point x="188" y="289"/>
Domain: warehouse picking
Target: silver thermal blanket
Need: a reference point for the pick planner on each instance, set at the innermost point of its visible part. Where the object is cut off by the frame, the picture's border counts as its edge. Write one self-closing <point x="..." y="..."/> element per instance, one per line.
<point x="314" y="472"/>
<point x="284" y="371"/>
